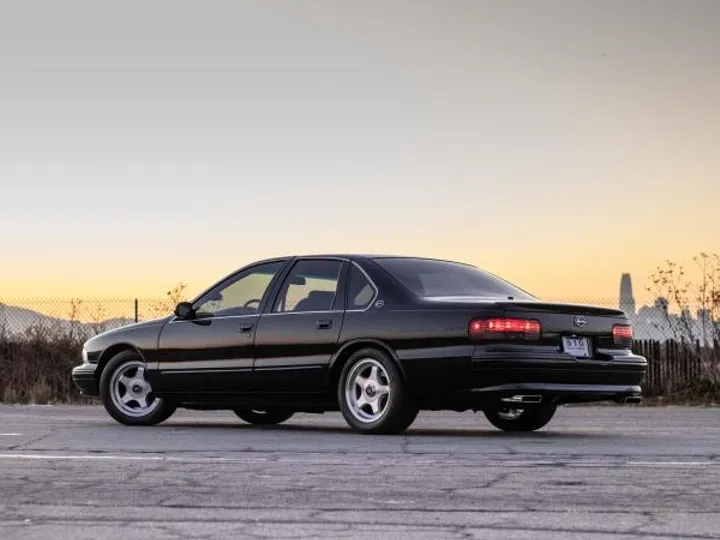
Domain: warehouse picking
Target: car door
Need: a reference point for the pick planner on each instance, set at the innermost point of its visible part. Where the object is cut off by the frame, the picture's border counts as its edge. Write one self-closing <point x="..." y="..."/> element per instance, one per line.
<point x="298" y="334"/>
<point x="213" y="351"/>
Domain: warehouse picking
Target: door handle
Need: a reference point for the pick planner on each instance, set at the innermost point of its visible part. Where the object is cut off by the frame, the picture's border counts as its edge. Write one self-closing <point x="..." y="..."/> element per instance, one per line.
<point x="245" y="328"/>
<point x="324" y="324"/>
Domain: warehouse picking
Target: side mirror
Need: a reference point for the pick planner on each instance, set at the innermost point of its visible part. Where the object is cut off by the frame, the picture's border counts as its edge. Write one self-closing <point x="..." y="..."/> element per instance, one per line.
<point x="184" y="310"/>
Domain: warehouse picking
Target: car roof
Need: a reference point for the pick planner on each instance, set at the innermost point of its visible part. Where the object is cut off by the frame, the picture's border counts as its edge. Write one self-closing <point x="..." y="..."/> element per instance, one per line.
<point x="353" y="256"/>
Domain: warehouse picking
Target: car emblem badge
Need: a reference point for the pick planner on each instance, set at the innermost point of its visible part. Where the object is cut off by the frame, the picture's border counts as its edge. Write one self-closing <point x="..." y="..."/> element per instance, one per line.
<point x="580" y="322"/>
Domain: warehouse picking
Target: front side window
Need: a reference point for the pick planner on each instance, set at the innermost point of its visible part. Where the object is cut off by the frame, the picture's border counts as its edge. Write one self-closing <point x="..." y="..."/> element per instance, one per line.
<point x="311" y="286"/>
<point x="240" y="295"/>
<point x="431" y="278"/>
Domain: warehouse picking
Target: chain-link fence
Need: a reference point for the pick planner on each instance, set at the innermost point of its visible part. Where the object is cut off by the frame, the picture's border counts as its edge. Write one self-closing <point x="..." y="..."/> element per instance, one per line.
<point x="75" y="318"/>
<point x="87" y="317"/>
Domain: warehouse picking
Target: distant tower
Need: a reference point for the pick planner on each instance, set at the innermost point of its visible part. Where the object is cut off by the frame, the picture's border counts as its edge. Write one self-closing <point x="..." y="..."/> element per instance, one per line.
<point x="627" y="301"/>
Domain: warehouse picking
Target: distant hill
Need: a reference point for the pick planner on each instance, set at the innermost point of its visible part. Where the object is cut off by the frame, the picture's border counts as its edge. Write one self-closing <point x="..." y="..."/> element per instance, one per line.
<point x="19" y="321"/>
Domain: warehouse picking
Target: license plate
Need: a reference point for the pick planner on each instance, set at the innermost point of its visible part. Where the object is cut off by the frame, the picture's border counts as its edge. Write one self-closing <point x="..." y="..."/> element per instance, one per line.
<point x="577" y="347"/>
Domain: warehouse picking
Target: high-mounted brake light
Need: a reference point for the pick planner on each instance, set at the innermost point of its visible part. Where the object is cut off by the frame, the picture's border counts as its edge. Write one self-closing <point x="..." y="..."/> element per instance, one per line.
<point x="622" y="334"/>
<point x="501" y="327"/>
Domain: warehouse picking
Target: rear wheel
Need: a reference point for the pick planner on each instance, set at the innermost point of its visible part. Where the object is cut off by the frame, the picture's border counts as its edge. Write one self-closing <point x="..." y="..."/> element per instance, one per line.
<point x="263" y="417"/>
<point x="127" y="394"/>
<point x="532" y="419"/>
<point x="372" y="396"/>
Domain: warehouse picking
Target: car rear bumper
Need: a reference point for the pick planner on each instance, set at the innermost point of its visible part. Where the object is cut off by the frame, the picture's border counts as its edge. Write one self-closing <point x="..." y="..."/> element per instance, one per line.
<point x="528" y="394"/>
<point x="84" y="378"/>
<point x="613" y="375"/>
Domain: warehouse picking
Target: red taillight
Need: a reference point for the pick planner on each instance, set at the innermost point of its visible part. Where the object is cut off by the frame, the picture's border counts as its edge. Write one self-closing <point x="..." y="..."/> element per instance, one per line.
<point x="622" y="334"/>
<point x="500" y="328"/>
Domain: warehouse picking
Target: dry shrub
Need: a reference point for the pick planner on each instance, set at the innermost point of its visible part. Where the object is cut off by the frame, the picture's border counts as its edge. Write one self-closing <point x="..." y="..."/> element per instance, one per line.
<point x="35" y="368"/>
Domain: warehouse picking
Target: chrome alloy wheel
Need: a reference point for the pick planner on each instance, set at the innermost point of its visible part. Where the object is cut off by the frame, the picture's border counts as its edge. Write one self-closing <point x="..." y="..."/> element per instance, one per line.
<point x="367" y="390"/>
<point x="130" y="391"/>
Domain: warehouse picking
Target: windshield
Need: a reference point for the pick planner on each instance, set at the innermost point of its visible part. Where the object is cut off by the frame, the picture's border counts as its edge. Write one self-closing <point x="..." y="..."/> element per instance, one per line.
<point x="428" y="278"/>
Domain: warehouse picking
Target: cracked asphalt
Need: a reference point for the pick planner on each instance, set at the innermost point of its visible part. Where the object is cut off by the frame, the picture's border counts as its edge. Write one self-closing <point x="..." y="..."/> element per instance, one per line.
<point x="593" y="473"/>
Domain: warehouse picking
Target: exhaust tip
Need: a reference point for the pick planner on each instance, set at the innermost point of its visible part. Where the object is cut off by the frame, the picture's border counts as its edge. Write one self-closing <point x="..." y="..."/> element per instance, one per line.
<point x="632" y="400"/>
<point x="522" y="398"/>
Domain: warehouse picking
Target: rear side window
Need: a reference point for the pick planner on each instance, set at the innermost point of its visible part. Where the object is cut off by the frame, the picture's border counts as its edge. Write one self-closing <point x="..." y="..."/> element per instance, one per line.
<point x="310" y="286"/>
<point x="360" y="291"/>
<point x="428" y="278"/>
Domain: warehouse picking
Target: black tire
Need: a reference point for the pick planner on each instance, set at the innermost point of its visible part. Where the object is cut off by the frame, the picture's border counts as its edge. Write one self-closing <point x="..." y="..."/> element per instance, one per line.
<point x="129" y="361"/>
<point x="529" y="420"/>
<point x="263" y="418"/>
<point x="398" y="410"/>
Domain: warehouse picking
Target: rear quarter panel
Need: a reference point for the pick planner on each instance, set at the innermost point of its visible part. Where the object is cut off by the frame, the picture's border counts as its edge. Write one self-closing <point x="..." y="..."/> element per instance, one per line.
<point x="431" y="345"/>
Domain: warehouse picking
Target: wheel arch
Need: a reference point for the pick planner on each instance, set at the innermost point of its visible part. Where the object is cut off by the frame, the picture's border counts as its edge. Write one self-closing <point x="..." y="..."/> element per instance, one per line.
<point x="348" y="349"/>
<point x="110" y="352"/>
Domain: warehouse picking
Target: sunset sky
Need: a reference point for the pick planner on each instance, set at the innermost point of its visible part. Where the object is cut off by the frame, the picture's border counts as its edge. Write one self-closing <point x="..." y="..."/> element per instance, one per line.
<point x="556" y="143"/>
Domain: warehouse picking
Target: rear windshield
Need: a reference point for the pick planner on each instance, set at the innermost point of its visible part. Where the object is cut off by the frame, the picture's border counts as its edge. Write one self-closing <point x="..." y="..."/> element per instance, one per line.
<point x="429" y="278"/>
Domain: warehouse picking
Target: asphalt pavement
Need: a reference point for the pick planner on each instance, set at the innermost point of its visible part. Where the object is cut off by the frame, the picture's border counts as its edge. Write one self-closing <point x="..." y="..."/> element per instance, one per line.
<point x="592" y="473"/>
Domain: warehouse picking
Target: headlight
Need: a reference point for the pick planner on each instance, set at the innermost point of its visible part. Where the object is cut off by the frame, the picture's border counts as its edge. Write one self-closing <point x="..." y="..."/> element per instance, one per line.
<point x="85" y="356"/>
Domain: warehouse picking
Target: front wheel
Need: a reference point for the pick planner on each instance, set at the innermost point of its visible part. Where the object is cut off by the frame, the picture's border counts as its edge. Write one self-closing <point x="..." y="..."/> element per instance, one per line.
<point x="372" y="395"/>
<point x="128" y="396"/>
<point x="263" y="418"/>
<point x="521" y="419"/>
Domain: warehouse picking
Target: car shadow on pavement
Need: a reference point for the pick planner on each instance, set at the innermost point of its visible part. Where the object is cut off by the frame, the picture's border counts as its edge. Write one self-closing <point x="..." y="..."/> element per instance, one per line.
<point x="411" y="432"/>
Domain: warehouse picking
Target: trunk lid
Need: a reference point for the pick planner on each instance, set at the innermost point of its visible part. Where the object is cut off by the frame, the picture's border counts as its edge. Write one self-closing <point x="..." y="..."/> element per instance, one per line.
<point x="559" y="308"/>
<point x="578" y="329"/>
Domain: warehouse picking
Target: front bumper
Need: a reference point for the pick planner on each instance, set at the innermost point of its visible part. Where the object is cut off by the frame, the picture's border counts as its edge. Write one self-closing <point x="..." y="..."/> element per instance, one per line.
<point x="83" y="377"/>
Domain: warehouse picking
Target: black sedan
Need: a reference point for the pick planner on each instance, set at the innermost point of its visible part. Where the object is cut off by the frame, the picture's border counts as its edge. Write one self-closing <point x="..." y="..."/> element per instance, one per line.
<point x="378" y="338"/>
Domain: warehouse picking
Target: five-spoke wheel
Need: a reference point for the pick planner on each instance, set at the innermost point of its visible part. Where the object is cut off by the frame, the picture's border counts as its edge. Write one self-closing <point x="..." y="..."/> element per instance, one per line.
<point x="130" y="391"/>
<point x="127" y="395"/>
<point x="367" y="390"/>
<point x="372" y="394"/>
